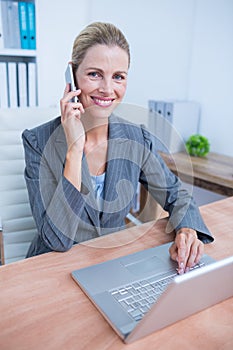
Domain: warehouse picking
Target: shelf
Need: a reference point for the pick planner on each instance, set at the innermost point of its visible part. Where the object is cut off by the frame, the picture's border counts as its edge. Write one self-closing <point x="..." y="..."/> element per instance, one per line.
<point x="18" y="52"/>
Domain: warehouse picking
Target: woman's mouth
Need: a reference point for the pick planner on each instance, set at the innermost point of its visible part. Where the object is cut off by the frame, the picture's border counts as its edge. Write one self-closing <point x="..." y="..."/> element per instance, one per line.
<point x="102" y="102"/>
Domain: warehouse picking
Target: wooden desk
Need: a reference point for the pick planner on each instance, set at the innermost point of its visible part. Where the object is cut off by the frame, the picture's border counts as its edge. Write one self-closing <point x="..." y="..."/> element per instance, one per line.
<point x="213" y="172"/>
<point x="41" y="307"/>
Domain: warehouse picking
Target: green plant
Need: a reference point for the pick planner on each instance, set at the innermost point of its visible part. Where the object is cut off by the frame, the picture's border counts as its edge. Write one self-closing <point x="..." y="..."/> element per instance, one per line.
<point x="198" y="145"/>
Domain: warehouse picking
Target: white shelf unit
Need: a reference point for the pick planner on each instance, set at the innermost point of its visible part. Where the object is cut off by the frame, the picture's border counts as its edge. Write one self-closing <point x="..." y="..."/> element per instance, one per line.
<point x="20" y="81"/>
<point x="18" y="70"/>
<point x="17" y="52"/>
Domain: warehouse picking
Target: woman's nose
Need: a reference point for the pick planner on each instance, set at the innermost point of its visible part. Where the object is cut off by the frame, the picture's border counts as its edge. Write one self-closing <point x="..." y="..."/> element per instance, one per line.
<point x="106" y="86"/>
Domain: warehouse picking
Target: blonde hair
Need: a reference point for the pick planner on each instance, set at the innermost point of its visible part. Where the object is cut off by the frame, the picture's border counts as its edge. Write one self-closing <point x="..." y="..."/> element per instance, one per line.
<point x="97" y="33"/>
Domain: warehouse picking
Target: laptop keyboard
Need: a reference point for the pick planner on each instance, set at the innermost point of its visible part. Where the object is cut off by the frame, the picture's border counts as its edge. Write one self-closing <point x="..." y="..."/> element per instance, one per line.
<point x="138" y="297"/>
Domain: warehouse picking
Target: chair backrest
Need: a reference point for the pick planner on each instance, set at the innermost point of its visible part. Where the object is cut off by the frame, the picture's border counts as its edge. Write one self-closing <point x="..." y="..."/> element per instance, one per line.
<point x="17" y="227"/>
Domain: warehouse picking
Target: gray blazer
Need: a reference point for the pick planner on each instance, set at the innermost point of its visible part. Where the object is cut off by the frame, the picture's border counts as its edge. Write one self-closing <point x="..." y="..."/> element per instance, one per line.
<point x="65" y="216"/>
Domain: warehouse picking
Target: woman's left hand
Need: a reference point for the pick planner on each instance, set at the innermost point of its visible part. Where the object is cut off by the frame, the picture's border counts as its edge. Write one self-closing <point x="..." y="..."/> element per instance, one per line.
<point x="187" y="249"/>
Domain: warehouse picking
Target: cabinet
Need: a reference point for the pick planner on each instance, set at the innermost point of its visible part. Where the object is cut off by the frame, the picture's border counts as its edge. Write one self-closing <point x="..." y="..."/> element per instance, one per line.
<point x="18" y="60"/>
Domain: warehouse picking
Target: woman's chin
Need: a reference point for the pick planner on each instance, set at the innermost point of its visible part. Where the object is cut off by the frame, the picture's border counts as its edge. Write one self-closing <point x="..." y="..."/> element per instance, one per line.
<point x="98" y="112"/>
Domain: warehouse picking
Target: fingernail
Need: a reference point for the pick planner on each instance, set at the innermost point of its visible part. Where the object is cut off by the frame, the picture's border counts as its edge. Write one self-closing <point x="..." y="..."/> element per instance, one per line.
<point x="187" y="269"/>
<point x="180" y="271"/>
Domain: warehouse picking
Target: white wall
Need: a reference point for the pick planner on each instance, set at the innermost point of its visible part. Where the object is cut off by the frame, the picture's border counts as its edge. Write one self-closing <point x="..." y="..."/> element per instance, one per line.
<point x="58" y="23"/>
<point x="211" y="73"/>
<point x="159" y="34"/>
<point x="181" y="49"/>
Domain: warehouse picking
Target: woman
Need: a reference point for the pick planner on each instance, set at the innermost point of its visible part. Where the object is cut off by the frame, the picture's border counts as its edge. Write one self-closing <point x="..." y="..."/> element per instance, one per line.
<point x="83" y="168"/>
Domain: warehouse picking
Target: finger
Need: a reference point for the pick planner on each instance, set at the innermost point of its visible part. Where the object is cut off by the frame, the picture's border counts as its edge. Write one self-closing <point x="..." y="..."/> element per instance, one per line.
<point x="200" y="252"/>
<point x="67" y="89"/>
<point x="77" y="113"/>
<point x="66" y="109"/>
<point x="68" y="94"/>
<point x="71" y="109"/>
<point x="182" y="248"/>
<point x="195" y="251"/>
<point x="70" y="113"/>
<point x="191" y="257"/>
<point x="69" y="97"/>
<point x="173" y="251"/>
<point x="77" y="106"/>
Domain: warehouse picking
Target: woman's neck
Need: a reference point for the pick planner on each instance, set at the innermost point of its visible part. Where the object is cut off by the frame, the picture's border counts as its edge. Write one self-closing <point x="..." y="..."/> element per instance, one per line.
<point x="96" y="129"/>
<point x="96" y="145"/>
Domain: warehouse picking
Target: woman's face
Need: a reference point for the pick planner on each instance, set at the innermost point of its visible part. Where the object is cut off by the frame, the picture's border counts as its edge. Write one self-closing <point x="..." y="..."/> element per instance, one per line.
<point x="102" y="78"/>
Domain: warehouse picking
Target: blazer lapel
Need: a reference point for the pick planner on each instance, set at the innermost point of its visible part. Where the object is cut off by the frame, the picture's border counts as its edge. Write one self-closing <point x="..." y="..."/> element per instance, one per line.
<point x="116" y="171"/>
<point x="91" y="204"/>
<point x="61" y="150"/>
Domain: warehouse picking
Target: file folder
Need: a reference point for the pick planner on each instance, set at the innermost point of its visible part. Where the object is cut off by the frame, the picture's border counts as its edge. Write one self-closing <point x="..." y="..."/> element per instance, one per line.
<point x="174" y="122"/>
<point x="12" y="84"/>
<point x="1" y="29"/>
<point x="151" y="104"/>
<point x="31" y="23"/>
<point x="159" y="124"/>
<point x="14" y="24"/>
<point x="184" y="121"/>
<point x="168" y="129"/>
<point x="23" y="25"/>
<point x="168" y="111"/>
<point x="3" y="86"/>
<point x="159" y="107"/>
<point x="22" y="84"/>
<point x="5" y="25"/>
<point x="10" y="24"/>
<point x="156" y="122"/>
<point x="151" y="116"/>
<point x="32" y="84"/>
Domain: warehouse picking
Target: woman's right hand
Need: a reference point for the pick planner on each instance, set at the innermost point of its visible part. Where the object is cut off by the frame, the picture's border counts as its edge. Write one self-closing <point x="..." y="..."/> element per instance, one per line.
<point x="71" y="120"/>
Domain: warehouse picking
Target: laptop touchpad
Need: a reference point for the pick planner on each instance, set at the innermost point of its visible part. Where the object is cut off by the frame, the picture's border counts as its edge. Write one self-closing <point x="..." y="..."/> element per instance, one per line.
<point x="146" y="265"/>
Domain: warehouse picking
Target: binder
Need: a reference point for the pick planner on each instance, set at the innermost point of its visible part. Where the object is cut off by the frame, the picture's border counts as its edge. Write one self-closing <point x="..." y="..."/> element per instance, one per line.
<point x="12" y="84"/>
<point x="14" y="24"/>
<point x="22" y="84"/>
<point x="181" y="121"/>
<point x="10" y="24"/>
<point x="151" y="104"/>
<point x="151" y="116"/>
<point x="173" y="122"/>
<point x="5" y="24"/>
<point x="3" y="86"/>
<point x="159" y="107"/>
<point x="31" y="23"/>
<point x="156" y="122"/>
<point x="159" y="125"/>
<point x="24" y="37"/>
<point x="168" y="111"/>
<point x="169" y="135"/>
<point x="1" y="28"/>
<point x="32" y="85"/>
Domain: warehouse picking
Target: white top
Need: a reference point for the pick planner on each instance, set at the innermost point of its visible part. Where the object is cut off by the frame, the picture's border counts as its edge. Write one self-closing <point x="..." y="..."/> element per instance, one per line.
<point x="98" y="185"/>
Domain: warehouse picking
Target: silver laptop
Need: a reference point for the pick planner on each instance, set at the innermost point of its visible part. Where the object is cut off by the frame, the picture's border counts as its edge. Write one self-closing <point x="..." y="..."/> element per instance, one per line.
<point x="141" y="292"/>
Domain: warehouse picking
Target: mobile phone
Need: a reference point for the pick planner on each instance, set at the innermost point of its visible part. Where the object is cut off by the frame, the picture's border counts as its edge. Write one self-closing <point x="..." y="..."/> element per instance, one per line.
<point x="69" y="75"/>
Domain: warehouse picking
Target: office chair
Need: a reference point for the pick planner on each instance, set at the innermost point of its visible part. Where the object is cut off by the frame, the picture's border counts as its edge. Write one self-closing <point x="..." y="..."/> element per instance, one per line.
<point x="17" y="227"/>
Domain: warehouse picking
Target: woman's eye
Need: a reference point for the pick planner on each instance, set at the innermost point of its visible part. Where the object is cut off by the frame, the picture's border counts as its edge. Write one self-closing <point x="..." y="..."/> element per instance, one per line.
<point x="94" y="74"/>
<point x="118" y="77"/>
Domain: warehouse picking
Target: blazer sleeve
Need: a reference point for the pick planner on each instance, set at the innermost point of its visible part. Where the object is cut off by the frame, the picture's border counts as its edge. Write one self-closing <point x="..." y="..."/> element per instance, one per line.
<point x="55" y="203"/>
<point x="166" y="188"/>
